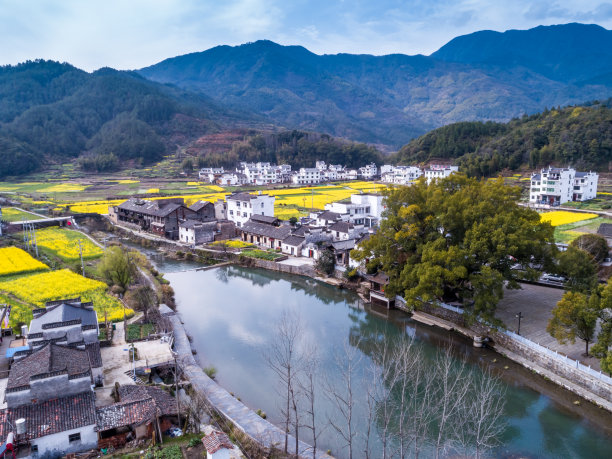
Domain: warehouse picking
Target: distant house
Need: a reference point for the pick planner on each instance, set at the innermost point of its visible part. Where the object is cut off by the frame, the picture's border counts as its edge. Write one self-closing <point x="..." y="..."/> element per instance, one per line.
<point x="197" y="232"/>
<point x="203" y="211"/>
<point x="326" y="218"/>
<point x="363" y="209"/>
<point x="264" y="234"/>
<point x="605" y="230"/>
<point x="292" y="245"/>
<point x="161" y="217"/>
<point x="242" y="206"/>
<point x="437" y="171"/>
<point x="555" y="186"/>
<point x="307" y="176"/>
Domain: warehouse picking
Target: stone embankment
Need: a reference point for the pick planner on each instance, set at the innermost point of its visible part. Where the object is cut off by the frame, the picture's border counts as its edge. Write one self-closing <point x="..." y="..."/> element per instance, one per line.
<point x="257" y="428"/>
<point x="587" y="386"/>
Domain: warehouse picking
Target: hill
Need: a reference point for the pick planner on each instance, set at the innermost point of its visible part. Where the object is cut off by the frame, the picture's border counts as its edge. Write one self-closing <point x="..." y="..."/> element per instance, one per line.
<point x="54" y="112"/>
<point x="390" y="99"/>
<point x="580" y="136"/>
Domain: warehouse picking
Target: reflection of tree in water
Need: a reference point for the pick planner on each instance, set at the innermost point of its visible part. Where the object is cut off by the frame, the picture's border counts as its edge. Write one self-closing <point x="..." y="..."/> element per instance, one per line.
<point x="221" y="274"/>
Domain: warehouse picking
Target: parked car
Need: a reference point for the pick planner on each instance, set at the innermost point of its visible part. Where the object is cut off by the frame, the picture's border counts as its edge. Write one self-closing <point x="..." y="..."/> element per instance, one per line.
<point x="553" y="278"/>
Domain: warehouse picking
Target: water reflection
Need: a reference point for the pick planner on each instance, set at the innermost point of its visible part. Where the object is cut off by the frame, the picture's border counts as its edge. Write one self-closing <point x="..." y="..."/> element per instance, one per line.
<point x="230" y="312"/>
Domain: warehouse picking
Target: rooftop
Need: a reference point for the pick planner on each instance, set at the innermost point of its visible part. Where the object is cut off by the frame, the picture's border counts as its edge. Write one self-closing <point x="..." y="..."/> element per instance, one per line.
<point x="50" y="358"/>
<point x="51" y="416"/>
<point x="131" y="413"/>
<point x="64" y="312"/>
<point x="216" y="441"/>
<point x="163" y="400"/>
<point x="199" y="205"/>
<point x="263" y="229"/>
<point x="294" y="240"/>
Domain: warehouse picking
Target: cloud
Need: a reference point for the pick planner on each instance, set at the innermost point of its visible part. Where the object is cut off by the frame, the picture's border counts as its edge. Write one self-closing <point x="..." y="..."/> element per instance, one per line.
<point x="132" y="34"/>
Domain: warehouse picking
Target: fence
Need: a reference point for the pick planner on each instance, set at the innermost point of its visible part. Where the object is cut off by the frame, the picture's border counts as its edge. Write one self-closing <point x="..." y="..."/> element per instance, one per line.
<point x="574" y="364"/>
<point x="558" y="357"/>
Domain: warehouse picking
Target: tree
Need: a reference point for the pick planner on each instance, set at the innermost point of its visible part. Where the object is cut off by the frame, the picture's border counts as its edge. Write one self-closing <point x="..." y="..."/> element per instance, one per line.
<point x="283" y="355"/>
<point x="593" y="244"/>
<point x="575" y="315"/>
<point x="456" y="239"/>
<point x="326" y="262"/>
<point x="143" y="298"/>
<point x="603" y="347"/>
<point x="116" y="267"/>
<point x="187" y="165"/>
<point x="579" y="268"/>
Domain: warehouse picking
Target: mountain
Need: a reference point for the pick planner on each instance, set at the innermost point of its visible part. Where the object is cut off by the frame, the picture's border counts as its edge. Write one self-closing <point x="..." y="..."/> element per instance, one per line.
<point x="579" y="135"/>
<point x="53" y="111"/>
<point x="390" y="99"/>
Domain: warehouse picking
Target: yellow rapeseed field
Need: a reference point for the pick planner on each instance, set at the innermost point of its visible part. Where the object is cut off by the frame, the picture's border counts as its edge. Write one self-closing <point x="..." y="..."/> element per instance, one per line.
<point x="37" y="289"/>
<point x="64" y="243"/>
<point x="562" y="217"/>
<point x="16" y="261"/>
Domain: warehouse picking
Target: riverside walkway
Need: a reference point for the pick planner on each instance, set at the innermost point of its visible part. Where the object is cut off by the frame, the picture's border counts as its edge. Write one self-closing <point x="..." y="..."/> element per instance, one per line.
<point x="263" y="432"/>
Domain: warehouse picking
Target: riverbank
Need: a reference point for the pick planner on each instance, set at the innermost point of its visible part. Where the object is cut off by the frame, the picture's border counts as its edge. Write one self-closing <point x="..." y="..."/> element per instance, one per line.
<point x="564" y="373"/>
<point x="258" y="429"/>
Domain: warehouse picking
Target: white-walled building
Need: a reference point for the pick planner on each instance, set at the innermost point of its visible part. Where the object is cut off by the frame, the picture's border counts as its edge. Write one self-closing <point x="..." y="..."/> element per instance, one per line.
<point x="208" y="173"/>
<point x="307" y="176"/>
<point x="400" y="175"/>
<point x="241" y="206"/>
<point x="555" y="186"/>
<point x="368" y="172"/>
<point x="435" y="171"/>
<point x="364" y="209"/>
<point x="263" y="173"/>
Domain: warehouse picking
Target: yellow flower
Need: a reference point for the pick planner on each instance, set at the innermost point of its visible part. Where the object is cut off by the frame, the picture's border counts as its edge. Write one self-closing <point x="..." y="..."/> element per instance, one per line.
<point x="562" y="217"/>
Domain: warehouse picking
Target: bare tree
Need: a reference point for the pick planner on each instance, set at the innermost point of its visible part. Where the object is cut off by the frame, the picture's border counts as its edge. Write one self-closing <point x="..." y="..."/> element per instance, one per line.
<point x="484" y="416"/>
<point x="343" y="397"/>
<point x="283" y="356"/>
<point x="453" y="384"/>
<point x="308" y="388"/>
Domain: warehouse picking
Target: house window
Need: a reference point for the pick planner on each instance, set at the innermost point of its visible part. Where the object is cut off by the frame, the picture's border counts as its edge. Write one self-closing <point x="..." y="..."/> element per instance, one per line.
<point x="74" y="437"/>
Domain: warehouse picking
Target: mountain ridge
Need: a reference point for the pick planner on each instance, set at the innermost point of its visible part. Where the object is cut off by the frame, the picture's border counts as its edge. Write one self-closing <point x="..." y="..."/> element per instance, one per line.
<point x="391" y="99"/>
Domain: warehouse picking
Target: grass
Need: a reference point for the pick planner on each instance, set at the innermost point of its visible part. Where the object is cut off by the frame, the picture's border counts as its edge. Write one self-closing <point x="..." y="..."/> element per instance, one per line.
<point x="139" y="331"/>
<point x="564" y="234"/>
<point x="261" y="254"/>
<point x="236" y="244"/>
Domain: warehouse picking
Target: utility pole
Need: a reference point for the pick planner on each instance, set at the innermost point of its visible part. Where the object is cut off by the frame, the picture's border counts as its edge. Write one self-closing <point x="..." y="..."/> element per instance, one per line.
<point x="519" y="316"/>
<point x="178" y="410"/>
<point x="81" y="253"/>
<point x="34" y="237"/>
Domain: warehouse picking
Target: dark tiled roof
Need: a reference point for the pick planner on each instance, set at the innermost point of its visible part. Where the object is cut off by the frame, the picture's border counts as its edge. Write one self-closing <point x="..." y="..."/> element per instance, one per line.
<point x="164" y="401"/>
<point x="51" y="416"/>
<point x="349" y="244"/>
<point x="294" y="240"/>
<point x="197" y="206"/>
<point x="241" y="197"/>
<point x="605" y="230"/>
<point x="301" y="231"/>
<point x="342" y="227"/>
<point x="132" y="413"/>
<point x="216" y="441"/>
<point x="64" y="312"/>
<point x="48" y="359"/>
<point x="262" y="229"/>
<point x="265" y="219"/>
<point x="153" y="208"/>
<point x="95" y="356"/>
<point x="195" y="224"/>
<point x="581" y="174"/>
<point x="536" y="177"/>
<point x="329" y="215"/>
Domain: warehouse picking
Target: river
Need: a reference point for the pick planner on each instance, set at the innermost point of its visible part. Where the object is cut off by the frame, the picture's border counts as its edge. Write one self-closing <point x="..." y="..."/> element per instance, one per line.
<point x="230" y="313"/>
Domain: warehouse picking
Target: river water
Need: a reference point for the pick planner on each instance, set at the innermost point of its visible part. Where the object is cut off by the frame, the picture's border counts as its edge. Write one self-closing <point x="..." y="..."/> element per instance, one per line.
<point x="230" y="313"/>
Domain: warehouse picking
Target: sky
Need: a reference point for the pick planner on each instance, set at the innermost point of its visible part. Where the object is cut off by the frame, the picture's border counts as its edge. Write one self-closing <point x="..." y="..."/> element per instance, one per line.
<point x="130" y="34"/>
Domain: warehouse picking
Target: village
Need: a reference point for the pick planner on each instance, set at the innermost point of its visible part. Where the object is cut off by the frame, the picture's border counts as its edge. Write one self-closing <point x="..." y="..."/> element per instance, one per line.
<point x="74" y="381"/>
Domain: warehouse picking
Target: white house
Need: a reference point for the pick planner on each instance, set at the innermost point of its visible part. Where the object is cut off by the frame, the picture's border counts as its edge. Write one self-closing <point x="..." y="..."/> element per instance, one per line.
<point x="436" y="171"/>
<point x="241" y="206"/>
<point x="555" y="186"/>
<point x="368" y="172"/>
<point x="195" y="232"/>
<point x="400" y="175"/>
<point x="208" y="173"/>
<point x="364" y="209"/>
<point x="292" y="245"/>
<point x="307" y="176"/>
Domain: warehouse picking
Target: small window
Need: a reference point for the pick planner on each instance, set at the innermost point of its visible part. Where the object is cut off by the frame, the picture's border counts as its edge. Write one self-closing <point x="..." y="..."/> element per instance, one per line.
<point x="74" y="437"/>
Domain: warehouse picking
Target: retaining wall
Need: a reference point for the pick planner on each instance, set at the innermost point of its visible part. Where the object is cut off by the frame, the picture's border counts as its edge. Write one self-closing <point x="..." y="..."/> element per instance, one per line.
<point x="257" y="428"/>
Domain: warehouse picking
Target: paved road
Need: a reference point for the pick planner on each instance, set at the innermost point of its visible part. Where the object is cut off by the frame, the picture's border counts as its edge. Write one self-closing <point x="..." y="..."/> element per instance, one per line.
<point x="536" y="303"/>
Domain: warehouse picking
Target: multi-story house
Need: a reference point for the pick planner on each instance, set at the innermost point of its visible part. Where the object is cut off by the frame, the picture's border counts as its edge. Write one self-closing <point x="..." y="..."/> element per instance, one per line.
<point x="364" y="209"/>
<point x="208" y="174"/>
<point x="400" y="175"/>
<point x="555" y="186"/>
<point x="436" y="171"/>
<point x="307" y="176"/>
<point x="242" y="206"/>
<point x="368" y="172"/>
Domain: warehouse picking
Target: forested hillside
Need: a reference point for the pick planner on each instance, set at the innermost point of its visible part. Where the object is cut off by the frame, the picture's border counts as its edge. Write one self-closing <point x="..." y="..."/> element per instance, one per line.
<point x="389" y="100"/>
<point x="580" y="136"/>
<point x="300" y="149"/>
<point x="54" y="112"/>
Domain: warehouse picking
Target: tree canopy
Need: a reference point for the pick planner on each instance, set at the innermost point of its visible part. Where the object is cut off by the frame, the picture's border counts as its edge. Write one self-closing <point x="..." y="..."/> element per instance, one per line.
<point x="456" y="239"/>
<point x="594" y="244"/>
<point x="574" y="316"/>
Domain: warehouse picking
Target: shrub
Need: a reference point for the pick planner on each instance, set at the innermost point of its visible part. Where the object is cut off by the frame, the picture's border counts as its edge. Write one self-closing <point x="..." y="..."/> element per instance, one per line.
<point x="326" y="262"/>
<point x="189" y="256"/>
<point x="194" y="442"/>
<point x="210" y="371"/>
